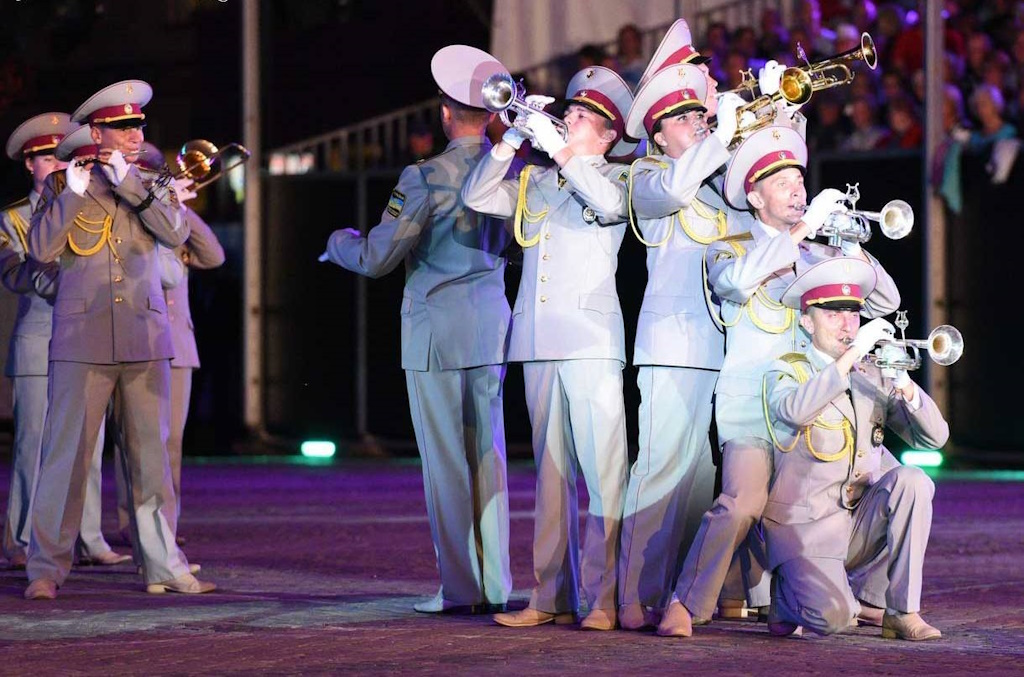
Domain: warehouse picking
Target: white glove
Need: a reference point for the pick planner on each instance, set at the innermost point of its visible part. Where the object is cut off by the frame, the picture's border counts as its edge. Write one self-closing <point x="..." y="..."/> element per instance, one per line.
<point x="336" y="238"/>
<point x="902" y="379"/>
<point x="514" y="137"/>
<point x="183" y="188"/>
<point x="538" y="101"/>
<point x="828" y="201"/>
<point x="77" y="177"/>
<point x="727" y="105"/>
<point x="870" y="334"/>
<point x="545" y="136"/>
<point x="769" y="77"/>
<point x="850" y="248"/>
<point x="116" y="168"/>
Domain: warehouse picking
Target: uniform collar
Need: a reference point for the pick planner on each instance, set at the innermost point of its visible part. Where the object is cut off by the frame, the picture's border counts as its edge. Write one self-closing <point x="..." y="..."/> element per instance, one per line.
<point x="818" y="359"/>
<point x="766" y="230"/>
<point x="471" y="140"/>
<point x="33" y="199"/>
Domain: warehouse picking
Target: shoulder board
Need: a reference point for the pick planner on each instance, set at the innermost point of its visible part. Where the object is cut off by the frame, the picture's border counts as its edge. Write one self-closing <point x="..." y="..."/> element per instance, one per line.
<point x="800" y="364"/>
<point x="738" y="237"/>
<point x="652" y="161"/>
<point x="793" y="358"/>
<point x="17" y="203"/>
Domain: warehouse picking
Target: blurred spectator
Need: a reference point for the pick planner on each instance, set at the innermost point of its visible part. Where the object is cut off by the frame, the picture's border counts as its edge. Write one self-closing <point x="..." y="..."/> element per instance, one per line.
<point x="774" y="36"/>
<point x="733" y="67"/>
<point x="847" y="38"/>
<point x="987" y="105"/>
<point x="945" y="174"/>
<point x="829" y="127"/>
<point x="888" y="27"/>
<point x="866" y="133"/>
<point x="420" y="142"/>
<point x="744" y="41"/>
<point x="863" y="15"/>
<point x="819" y="40"/>
<point x="592" y="55"/>
<point x="905" y="129"/>
<point x="979" y="46"/>
<point x="629" y="54"/>
<point x="716" y="42"/>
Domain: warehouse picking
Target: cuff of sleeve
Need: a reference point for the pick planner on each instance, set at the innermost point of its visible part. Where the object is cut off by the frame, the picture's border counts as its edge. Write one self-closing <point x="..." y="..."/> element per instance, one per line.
<point x="131" y="189"/>
<point x="914" y="403"/>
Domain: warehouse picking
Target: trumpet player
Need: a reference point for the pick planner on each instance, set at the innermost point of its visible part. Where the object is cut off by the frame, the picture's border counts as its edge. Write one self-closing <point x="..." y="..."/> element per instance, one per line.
<point x="110" y="339"/>
<point x="676" y="197"/>
<point x="748" y="273"/>
<point x="840" y="505"/>
<point x="455" y="321"/>
<point x="567" y="331"/>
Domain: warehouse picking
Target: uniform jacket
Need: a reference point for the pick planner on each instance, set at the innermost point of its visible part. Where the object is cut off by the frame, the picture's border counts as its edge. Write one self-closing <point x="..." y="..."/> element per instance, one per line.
<point x="36" y="286"/>
<point x="454" y="304"/>
<point x="202" y="251"/>
<point x="108" y="309"/>
<point x="567" y="306"/>
<point x="678" y="204"/>
<point x="816" y="486"/>
<point x="749" y="273"/>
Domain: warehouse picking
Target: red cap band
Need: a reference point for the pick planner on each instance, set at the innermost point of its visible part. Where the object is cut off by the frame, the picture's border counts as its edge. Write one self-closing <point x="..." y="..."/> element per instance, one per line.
<point x="773" y="160"/>
<point x="682" y="55"/>
<point x="87" y="150"/>
<point x="669" y="103"/>
<point x="601" y="102"/>
<point x="115" y="113"/>
<point x="827" y="293"/>
<point x="38" y="143"/>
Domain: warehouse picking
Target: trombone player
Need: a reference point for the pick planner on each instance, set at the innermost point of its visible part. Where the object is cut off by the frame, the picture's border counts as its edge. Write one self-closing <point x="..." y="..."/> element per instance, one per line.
<point x="110" y="338"/>
<point x="840" y="503"/>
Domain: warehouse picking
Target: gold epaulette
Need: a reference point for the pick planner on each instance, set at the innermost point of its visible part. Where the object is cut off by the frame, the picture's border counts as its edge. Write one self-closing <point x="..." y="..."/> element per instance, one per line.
<point x="797" y="361"/>
<point x="738" y="237"/>
<point x="652" y="159"/>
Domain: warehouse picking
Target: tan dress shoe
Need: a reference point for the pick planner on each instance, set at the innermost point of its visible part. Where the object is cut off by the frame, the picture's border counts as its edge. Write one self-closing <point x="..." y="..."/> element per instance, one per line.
<point x="637" y="617"/>
<point x="908" y="626"/>
<point x="737" y="609"/>
<point x="528" y="617"/>
<point x="17" y="561"/>
<point x="676" y="622"/>
<point x="41" y="588"/>
<point x="870" y="615"/>
<point x="186" y="584"/>
<point x="107" y="559"/>
<point x="599" y="619"/>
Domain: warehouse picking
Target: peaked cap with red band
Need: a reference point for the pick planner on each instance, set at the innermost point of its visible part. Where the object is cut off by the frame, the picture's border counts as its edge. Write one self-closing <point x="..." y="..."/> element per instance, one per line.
<point x="605" y="92"/>
<point x="78" y="144"/>
<point x="840" y="281"/>
<point x="761" y="154"/>
<point x="672" y="90"/>
<point x="39" y="135"/>
<point x="675" y="48"/>
<point x="460" y="72"/>
<point x="119" y="104"/>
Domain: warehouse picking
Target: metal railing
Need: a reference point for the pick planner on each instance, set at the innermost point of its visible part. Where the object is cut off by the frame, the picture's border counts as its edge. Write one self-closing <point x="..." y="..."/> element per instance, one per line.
<point x="382" y="141"/>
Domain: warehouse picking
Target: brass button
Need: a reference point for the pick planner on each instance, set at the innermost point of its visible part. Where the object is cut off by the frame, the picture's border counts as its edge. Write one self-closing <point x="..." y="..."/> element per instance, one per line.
<point x="546" y="257"/>
<point x="856" y="474"/>
<point x="118" y="278"/>
<point x="547" y="236"/>
<point x="118" y="299"/>
<point x="117" y="240"/>
<point x="849" y="490"/>
<point x="543" y="299"/>
<point x="860" y="454"/>
<point x="543" y="278"/>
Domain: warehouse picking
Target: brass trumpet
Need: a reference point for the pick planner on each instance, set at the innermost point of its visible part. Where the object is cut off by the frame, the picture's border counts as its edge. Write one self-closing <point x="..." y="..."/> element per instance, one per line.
<point x="944" y="345"/>
<point x="502" y="95"/>
<point x="81" y="162"/>
<point x="200" y="161"/>
<point x="895" y="220"/>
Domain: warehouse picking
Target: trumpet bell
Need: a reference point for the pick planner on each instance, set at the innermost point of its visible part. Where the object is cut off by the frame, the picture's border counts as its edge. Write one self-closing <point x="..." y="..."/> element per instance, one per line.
<point x="867" y="51"/>
<point x="945" y="344"/>
<point x="896" y="219"/>
<point x="196" y="159"/>
<point x="499" y="91"/>
<point x="796" y="85"/>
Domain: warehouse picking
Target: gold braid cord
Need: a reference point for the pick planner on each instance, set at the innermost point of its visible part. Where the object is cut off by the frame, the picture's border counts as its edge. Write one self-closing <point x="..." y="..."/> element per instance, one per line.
<point x="704" y="212"/>
<point x="632" y="216"/>
<point x="524" y="213"/>
<point x="802" y="376"/>
<point x="103" y="231"/>
<point x="20" y="227"/>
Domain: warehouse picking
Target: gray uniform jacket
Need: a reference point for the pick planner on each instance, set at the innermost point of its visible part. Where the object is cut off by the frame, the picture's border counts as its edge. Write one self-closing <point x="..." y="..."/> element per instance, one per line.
<point x="36" y="285"/>
<point x="816" y="485"/>
<point x="567" y="306"/>
<point x="672" y="200"/>
<point x="454" y="304"/>
<point x="749" y="273"/>
<point x="202" y="251"/>
<point x="109" y="309"/>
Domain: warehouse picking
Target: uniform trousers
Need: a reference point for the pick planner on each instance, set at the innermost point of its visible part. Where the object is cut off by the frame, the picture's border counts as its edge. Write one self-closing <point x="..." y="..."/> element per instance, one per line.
<point x="746" y="473"/>
<point x="78" y="397"/>
<point x="458" y="418"/>
<point x="91" y="542"/>
<point x="671" y="483"/>
<point x="893" y="516"/>
<point x="578" y="418"/>
<point x="181" y="397"/>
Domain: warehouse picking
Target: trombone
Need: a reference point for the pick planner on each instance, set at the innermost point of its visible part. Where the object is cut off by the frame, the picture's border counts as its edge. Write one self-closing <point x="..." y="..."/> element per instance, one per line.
<point x="83" y="161"/>
<point x="895" y="220"/>
<point x="199" y="161"/>
<point x="944" y="345"/>
<point x="502" y="95"/>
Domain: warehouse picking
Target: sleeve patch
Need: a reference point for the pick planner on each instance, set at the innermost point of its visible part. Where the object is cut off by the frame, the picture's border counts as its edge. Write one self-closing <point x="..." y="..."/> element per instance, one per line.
<point x="396" y="203"/>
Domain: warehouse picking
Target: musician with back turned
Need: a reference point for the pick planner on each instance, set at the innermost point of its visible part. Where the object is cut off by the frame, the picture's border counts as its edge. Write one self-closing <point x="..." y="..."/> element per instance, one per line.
<point x="111" y="338"/>
<point x="840" y="503"/>
<point x="455" y="320"/>
<point x="748" y="274"/>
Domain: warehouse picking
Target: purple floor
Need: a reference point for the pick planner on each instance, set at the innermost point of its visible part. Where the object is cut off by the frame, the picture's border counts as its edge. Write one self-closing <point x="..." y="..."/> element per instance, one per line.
<point x="318" y="568"/>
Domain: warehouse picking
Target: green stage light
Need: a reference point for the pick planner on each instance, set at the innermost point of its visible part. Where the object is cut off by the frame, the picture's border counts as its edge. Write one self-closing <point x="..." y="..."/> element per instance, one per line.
<point x="317" y="449"/>
<point x="922" y="459"/>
